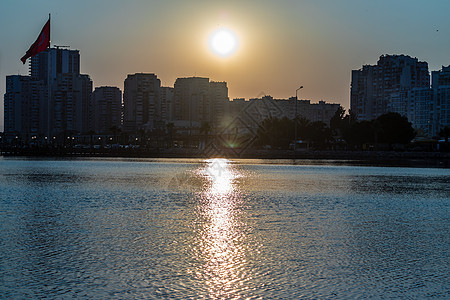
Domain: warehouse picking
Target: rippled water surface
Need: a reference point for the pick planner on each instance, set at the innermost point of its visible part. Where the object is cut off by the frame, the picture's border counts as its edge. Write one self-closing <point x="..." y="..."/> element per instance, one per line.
<point x="155" y="229"/>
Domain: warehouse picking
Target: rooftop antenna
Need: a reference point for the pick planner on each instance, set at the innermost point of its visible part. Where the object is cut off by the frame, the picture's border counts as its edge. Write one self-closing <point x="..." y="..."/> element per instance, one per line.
<point x="58" y="46"/>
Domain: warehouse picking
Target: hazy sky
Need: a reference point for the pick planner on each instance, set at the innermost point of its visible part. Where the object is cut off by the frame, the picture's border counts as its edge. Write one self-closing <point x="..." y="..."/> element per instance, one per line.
<point x="282" y="43"/>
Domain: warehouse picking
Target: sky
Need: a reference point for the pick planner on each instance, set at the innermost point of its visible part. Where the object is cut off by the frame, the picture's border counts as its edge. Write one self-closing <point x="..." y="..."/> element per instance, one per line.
<point x="282" y="44"/>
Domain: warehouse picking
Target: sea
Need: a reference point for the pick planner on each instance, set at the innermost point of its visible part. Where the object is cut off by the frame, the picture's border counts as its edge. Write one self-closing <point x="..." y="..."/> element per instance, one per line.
<point x="118" y="228"/>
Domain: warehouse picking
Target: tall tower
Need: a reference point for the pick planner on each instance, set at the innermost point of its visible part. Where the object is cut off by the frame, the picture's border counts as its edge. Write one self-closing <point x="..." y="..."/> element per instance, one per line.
<point x="107" y="101"/>
<point x="387" y="86"/>
<point x="53" y="61"/>
<point x="23" y="108"/>
<point x="198" y="100"/>
<point x="71" y="111"/>
<point x="219" y="104"/>
<point x="68" y="102"/>
<point x="441" y="97"/>
<point x="141" y="98"/>
<point x="166" y="105"/>
<point x="191" y="100"/>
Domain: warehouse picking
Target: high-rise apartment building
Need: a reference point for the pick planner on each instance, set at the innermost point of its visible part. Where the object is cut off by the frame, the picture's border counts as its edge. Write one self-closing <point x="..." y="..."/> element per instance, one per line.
<point x="141" y="101"/>
<point x="421" y="111"/>
<point x="166" y="105"/>
<point x="441" y="95"/>
<point x="387" y="86"/>
<point x="107" y="101"/>
<point x="191" y="100"/>
<point x="197" y="100"/>
<point x="398" y="83"/>
<point x="219" y="104"/>
<point x="54" y="101"/>
<point x="48" y="64"/>
<point x="23" y="108"/>
<point x="71" y="110"/>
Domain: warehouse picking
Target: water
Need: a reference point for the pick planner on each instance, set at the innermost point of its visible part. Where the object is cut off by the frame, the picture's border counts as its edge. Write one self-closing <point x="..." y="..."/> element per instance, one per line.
<point x="190" y="229"/>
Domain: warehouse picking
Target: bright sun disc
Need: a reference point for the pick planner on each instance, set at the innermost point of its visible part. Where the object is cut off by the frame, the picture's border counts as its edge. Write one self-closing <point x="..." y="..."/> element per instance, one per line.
<point x="223" y="42"/>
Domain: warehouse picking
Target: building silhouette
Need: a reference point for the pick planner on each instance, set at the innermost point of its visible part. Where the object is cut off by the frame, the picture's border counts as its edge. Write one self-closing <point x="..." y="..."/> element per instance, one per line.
<point x="386" y="86"/>
<point x="398" y="83"/>
<point x="71" y="110"/>
<point x="166" y="104"/>
<point x="441" y="96"/>
<point x="53" y="61"/>
<point x="55" y="99"/>
<point x="107" y="102"/>
<point x="141" y="102"/>
<point x="24" y="110"/>
<point x="252" y="112"/>
<point x="198" y="100"/>
<point x="57" y="103"/>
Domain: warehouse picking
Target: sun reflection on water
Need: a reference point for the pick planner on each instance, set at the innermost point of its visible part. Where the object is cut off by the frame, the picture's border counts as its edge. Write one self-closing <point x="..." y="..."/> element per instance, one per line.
<point x="221" y="233"/>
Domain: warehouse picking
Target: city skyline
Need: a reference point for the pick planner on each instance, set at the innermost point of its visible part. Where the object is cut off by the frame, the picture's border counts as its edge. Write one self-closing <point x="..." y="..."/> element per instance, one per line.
<point x="271" y="56"/>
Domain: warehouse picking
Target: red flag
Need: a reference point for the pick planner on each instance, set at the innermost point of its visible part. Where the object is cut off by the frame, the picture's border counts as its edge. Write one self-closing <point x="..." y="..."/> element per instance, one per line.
<point x="42" y="42"/>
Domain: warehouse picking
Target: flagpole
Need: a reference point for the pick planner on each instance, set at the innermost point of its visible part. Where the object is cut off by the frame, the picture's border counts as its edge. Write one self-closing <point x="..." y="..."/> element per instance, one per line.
<point x="49" y="84"/>
<point x="50" y="27"/>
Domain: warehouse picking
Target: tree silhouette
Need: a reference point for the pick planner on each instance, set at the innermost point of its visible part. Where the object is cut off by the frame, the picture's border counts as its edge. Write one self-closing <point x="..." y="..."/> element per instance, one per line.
<point x="445" y="133"/>
<point x="319" y="134"/>
<point x="360" y="133"/>
<point x="392" y="128"/>
<point x="277" y="133"/>
<point x="336" y="121"/>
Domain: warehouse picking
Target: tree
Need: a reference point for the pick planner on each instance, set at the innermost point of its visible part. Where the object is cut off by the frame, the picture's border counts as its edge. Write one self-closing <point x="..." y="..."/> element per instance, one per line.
<point x="302" y="127"/>
<point x="392" y="128"/>
<point x="336" y="121"/>
<point x="319" y="134"/>
<point x="275" y="132"/>
<point x="445" y="133"/>
<point x="360" y="133"/>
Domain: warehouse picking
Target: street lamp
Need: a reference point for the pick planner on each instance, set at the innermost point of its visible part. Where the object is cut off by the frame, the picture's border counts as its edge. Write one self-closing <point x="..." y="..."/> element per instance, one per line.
<point x="295" y="123"/>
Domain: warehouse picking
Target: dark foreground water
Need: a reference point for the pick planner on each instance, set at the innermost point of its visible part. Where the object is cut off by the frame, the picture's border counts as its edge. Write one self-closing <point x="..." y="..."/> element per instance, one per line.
<point x="146" y="229"/>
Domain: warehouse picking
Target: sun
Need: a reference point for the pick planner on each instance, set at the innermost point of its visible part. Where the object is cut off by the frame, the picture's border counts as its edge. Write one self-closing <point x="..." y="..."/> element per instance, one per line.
<point x="223" y="42"/>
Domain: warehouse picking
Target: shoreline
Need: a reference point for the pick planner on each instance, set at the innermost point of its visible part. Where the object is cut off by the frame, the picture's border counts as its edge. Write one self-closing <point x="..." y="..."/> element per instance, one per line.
<point x="373" y="158"/>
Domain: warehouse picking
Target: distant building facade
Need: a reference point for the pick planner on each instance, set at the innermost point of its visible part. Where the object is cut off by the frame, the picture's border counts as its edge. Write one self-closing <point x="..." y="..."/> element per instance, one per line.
<point x="54" y="101"/>
<point x="166" y="105"/>
<point x="71" y="110"/>
<point x="258" y="109"/>
<point x="387" y="86"/>
<point x="421" y="111"/>
<point x="441" y="96"/>
<point x="48" y="64"/>
<point x="107" y="101"/>
<point x="24" y="112"/>
<point x="141" y="102"/>
<point x="198" y="100"/>
<point x="398" y="83"/>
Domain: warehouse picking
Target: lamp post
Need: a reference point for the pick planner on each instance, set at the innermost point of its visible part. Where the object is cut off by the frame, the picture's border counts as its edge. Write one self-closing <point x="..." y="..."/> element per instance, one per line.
<point x="295" y="123"/>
